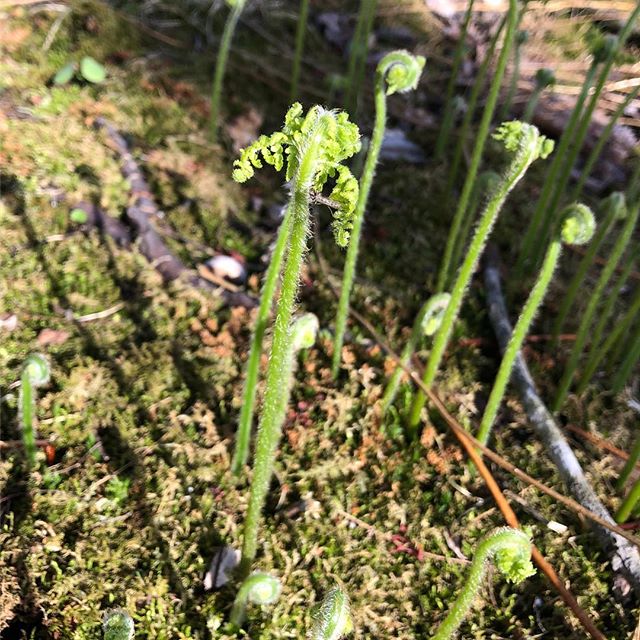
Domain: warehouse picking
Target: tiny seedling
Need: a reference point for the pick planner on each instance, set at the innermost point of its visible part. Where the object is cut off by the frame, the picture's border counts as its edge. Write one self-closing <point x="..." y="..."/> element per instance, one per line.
<point x="544" y="78"/>
<point x="313" y="148"/>
<point x="510" y="551"/>
<point x="480" y="141"/>
<point x="117" y="624"/>
<point x="578" y="227"/>
<point x="527" y="145"/>
<point x="333" y="618"/>
<point x="258" y="588"/>
<point x="36" y="372"/>
<point x="582" y="334"/>
<point x="89" y="69"/>
<point x="236" y="7"/>
<point x="397" y="72"/>
<point x="426" y="323"/>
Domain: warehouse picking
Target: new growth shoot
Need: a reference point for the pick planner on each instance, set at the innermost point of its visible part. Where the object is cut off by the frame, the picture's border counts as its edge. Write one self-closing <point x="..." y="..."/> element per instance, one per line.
<point x="312" y="147"/>
<point x="397" y="72"/>
<point x="426" y="323"/>
<point x="544" y="78"/>
<point x="36" y="372"/>
<point x="577" y="228"/>
<point x="117" y="624"/>
<point x="333" y="618"/>
<point x="258" y="588"/>
<point x="527" y="145"/>
<point x="510" y="551"/>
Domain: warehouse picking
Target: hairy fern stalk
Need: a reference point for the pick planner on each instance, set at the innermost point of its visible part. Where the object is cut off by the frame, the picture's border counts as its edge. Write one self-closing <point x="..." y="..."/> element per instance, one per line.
<point x="313" y="148"/>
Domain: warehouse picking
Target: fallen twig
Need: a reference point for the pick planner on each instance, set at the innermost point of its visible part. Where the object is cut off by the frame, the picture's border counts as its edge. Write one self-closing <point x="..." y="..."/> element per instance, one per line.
<point x="625" y="558"/>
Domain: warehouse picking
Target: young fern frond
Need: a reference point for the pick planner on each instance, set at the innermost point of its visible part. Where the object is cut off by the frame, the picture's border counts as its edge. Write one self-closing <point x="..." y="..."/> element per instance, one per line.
<point x="258" y="588"/>
<point x="36" y="372"/>
<point x="544" y="78"/>
<point x="629" y="503"/>
<point x="221" y="62"/>
<point x="311" y="148"/>
<point x="616" y="209"/>
<point x="582" y="335"/>
<point x="510" y="551"/>
<point x="578" y="227"/>
<point x="478" y="149"/>
<point x="426" y="323"/>
<point x="117" y="624"/>
<point x="525" y="141"/>
<point x="397" y="72"/>
<point x="333" y="618"/>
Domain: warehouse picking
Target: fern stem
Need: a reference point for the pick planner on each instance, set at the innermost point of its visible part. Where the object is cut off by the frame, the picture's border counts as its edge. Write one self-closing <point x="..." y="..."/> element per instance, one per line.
<point x="301" y="31"/>
<point x="392" y="66"/>
<point x="221" y="64"/>
<point x="243" y="435"/>
<point x="448" y="112"/>
<point x="582" y="334"/>
<point x="629" y="503"/>
<point x="481" y="138"/>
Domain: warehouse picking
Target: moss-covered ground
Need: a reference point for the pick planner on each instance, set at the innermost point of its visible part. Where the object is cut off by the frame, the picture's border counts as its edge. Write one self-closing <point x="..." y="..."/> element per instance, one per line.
<point x="129" y="505"/>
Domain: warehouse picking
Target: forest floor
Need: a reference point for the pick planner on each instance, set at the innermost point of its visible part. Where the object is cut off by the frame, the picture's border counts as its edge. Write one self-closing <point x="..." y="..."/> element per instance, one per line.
<point x="133" y="497"/>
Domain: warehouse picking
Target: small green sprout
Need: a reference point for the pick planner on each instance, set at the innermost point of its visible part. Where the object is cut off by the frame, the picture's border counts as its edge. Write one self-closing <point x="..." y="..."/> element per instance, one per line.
<point x="117" y="624"/>
<point x="527" y="145"/>
<point x="89" y="69"/>
<point x="510" y="551"/>
<point x="36" y="372"/>
<point x="333" y="618"/>
<point x="426" y="323"/>
<point x="311" y="148"/>
<point x="544" y="78"/>
<point x="305" y="331"/>
<point x="258" y="588"/>
<point x="397" y="72"/>
<point x="578" y="227"/>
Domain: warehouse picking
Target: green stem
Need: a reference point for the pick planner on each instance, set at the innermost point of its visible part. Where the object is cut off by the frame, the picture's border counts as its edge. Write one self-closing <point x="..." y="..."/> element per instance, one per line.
<point x="221" y="64"/>
<point x="628" y="503"/>
<point x="481" y="138"/>
<point x="358" y="54"/>
<point x="629" y="466"/>
<point x="395" y="62"/>
<point x="277" y="379"/>
<point x="426" y="323"/>
<point x="582" y="334"/>
<point x="620" y="328"/>
<point x="511" y="549"/>
<point x="300" y="36"/>
<point x="243" y="436"/>
<point x="517" y="338"/>
<point x="515" y="76"/>
<point x="27" y="409"/>
<point x="613" y="212"/>
<point x="530" y="146"/>
<point x="578" y="228"/>
<point x="447" y="120"/>
<point x="531" y="236"/>
<point x="561" y="181"/>
<point x="470" y="111"/>
<point x="629" y="362"/>
<point x="532" y="103"/>
<point x="602" y="140"/>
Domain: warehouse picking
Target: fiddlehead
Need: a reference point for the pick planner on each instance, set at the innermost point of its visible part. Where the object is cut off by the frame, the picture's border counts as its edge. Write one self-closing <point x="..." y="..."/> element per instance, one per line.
<point x="36" y="372"/>
<point x="510" y="551"/>
<point x="117" y="624"/>
<point x="401" y="70"/>
<point x="258" y="588"/>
